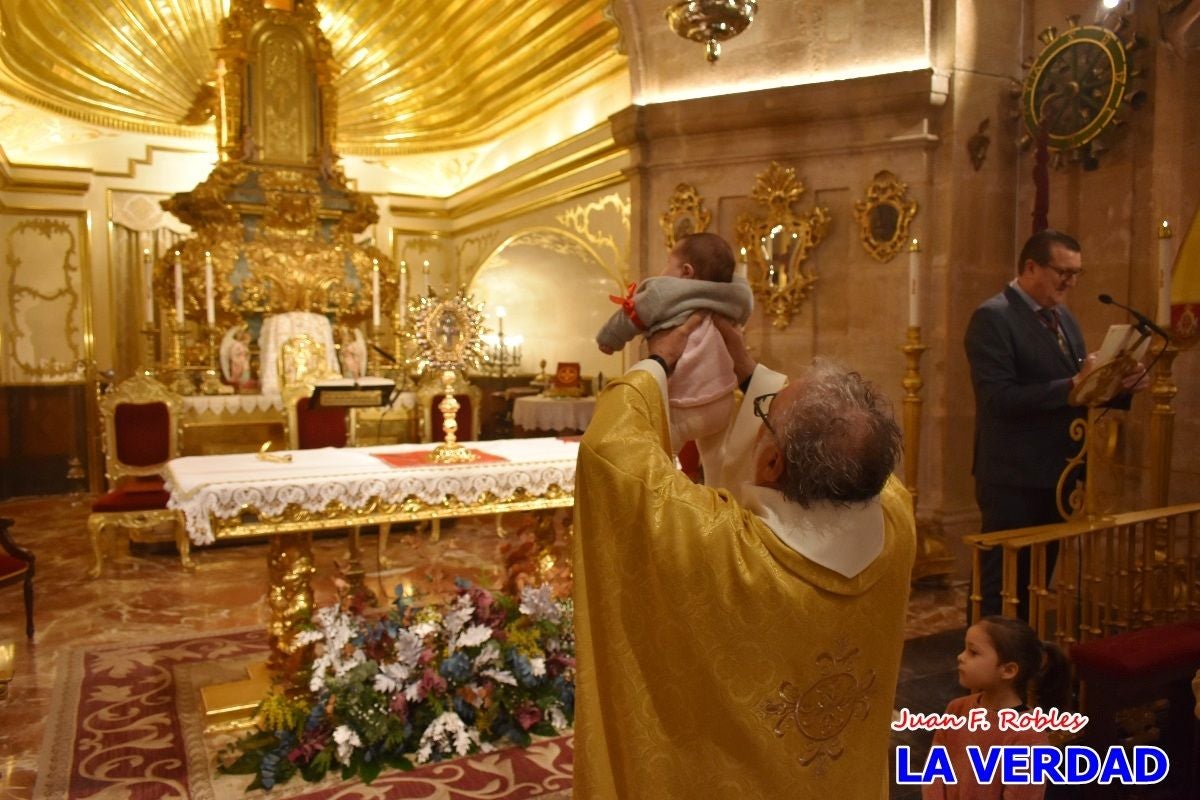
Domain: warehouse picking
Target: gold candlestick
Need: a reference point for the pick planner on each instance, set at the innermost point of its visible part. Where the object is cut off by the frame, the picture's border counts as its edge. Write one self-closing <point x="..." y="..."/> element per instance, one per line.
<point x="1162" y="424"/>
<point x="150" y="361"/>
<point x="181" y="382"/>
<point x="450" y="452"/>
<point x="933" y="555"/>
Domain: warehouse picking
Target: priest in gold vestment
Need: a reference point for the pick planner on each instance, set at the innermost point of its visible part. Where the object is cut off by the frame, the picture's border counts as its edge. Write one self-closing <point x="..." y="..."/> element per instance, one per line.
<point x="733" y="642"/>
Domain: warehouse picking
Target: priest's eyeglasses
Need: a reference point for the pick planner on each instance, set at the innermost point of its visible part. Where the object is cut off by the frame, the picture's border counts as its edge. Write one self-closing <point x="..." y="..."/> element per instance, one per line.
<point x="762" y="406"/>
<point x="1065" y="275"/>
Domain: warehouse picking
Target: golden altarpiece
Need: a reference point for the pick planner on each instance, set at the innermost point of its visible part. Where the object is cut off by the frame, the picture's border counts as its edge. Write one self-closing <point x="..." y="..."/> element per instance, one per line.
<point x="274" y="251"/>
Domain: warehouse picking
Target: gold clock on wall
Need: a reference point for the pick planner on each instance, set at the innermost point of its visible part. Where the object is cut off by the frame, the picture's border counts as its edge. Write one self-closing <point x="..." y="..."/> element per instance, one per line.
<point x="1076" y="88"/>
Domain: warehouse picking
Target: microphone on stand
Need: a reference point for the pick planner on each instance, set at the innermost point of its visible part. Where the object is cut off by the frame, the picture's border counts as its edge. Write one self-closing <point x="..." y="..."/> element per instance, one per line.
<point x="1143" y="321"/>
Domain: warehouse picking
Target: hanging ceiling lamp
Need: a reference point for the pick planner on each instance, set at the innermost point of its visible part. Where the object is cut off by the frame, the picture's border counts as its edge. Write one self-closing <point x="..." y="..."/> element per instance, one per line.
<point x="711" y="21"/>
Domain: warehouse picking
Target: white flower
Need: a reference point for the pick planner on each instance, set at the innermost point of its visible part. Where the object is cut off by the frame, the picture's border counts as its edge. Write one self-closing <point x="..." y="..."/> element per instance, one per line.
<point x="346" y="740"/>
<point x="490" y="654"/>
<point x="446" y="735"/>
<point x="473" y="636"/>
<point x="458" y="616"/>
<point x="500" y="676"/>
<point x="539" y="603"/>
<point x="538" y="666"/>
<point x="408" y="648"/>
<point x="391" y="677"/>
<point x="556" y="717"/>
<point x="425" y="628"/>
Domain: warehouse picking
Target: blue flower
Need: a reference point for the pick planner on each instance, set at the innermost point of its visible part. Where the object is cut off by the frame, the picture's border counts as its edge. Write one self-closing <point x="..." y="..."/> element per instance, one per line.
<point x="521" y="668"/>
<point x="456" y="668"/>
<point x="465" y="710"/>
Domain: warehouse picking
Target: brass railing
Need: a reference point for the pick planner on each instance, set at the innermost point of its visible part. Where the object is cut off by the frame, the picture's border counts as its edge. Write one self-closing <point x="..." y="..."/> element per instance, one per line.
<point x="1114" y="574"/>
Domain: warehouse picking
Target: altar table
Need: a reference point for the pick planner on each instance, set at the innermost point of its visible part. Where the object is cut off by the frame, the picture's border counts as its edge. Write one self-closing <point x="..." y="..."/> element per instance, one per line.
<point x="238" y="495"/>
<point x="553" y="413"/>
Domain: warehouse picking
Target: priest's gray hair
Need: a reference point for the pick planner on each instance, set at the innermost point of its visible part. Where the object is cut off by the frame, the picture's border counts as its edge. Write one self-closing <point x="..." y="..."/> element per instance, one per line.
<point x="840" y="441"/>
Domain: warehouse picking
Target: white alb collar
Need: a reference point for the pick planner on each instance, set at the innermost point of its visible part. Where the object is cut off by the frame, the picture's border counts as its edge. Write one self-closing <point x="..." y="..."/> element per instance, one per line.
<point x="845" y="540"/>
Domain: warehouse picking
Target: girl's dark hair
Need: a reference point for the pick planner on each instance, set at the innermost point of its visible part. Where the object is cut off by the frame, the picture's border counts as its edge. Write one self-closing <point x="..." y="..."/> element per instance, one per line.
<point x="1041" y="666"/>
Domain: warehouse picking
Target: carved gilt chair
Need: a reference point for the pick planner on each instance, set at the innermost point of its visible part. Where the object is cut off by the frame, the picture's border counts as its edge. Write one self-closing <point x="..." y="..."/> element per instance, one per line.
<point x="140" y="426"/>
<point x="302" y="363"/>
<point x="16" y="566"/>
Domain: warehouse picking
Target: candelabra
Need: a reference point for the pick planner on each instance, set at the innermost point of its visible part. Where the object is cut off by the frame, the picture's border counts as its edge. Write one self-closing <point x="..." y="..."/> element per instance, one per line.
<point x="151" y="360"/>
<point x="933" y="555"/>
<point x="503" y="353"/>
<point x="181" y="382"/>
<point x="211" y="383"/>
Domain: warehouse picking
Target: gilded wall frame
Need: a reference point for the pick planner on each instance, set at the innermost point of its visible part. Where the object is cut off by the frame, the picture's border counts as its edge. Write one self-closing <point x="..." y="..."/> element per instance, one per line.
<point x="685" y="214"/>
<point x="884" y="216"/>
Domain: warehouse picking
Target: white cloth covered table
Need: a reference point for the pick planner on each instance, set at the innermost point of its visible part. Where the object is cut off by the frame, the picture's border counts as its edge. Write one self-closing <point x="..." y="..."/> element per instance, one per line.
<point x="553" y="413"/>
<point x="227" y="486"/>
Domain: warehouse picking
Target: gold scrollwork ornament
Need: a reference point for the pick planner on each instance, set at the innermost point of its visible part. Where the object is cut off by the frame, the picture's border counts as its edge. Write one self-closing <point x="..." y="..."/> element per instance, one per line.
<point x="884" y="217"/>
<point x="778" y="241"/>
<point x="685" y="214"/>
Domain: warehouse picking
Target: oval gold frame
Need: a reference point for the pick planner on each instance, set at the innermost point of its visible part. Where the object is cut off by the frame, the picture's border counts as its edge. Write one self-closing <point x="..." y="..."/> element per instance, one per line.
<point x="886" y="194"/>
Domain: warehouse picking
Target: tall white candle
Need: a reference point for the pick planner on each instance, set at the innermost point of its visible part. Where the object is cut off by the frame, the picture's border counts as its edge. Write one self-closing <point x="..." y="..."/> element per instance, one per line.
<point x="210" y="310"/>
<point x="148" y="284"/>
<point x="1163" y="317"/>
<point x="375" y="292"/>
<point x="742" y="269"/>
<point x="425" y="275"/>
<point x="914" y="283"/>
<point x="403" y="291"/>
<point x="178" y="289"/>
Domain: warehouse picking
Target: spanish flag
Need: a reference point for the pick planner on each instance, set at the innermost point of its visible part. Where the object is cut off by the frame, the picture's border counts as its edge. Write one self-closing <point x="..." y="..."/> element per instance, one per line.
<point x="1185" y="289"/>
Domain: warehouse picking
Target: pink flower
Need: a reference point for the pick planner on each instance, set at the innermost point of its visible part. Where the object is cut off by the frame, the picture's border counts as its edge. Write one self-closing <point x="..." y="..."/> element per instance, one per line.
<point x="399" y="706"/>
<point x="528" y="715"/>
<point x="427" y="655"/>
<point x="432" y="683"/>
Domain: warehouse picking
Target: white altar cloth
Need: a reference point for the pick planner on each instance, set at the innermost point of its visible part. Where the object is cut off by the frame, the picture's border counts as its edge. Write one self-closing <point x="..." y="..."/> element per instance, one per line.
<point x="553" y="413"/>
<point x="227" y="486"/>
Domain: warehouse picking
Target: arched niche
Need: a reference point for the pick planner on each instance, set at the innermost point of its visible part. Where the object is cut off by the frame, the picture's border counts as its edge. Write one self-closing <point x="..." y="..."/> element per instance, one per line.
<point x="555" y="289"/>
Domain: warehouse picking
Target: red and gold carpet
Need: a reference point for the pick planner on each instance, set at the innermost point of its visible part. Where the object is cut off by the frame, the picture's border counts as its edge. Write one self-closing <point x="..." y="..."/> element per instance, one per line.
<point x="126" y="723"/>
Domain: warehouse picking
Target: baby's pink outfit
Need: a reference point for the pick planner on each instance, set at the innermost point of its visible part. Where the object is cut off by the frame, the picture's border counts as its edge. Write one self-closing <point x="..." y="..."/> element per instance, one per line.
<point x="700" y="389"/>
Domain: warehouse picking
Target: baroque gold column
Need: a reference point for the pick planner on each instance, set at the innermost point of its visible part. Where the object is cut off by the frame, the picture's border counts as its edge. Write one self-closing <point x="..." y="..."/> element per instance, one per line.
<point x="290" y="597"/>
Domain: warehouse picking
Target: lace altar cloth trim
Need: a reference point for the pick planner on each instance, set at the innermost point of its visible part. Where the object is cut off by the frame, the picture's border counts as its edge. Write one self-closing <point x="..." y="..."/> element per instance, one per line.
<point x="225" y="486"/>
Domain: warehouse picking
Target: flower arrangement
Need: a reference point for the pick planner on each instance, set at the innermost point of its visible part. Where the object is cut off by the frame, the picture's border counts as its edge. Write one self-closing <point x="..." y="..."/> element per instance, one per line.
<point x="419" y="683"/>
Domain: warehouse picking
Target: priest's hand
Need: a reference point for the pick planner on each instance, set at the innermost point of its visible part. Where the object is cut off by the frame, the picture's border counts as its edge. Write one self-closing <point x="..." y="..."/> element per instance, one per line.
<point x="1136" y="379"/>
<point x="743" y="362"/>
<point x="669" y="344"/>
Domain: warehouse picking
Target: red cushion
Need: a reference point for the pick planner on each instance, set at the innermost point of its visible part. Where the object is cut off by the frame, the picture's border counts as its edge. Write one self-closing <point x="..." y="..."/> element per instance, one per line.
<point x="320" y="427"/>
<point x="1128" y="655"/>
<point x="10" y="566"/>
<point x="143" y="495"/>
<point x="143" y="433"/>
<point x="462" y="417"/>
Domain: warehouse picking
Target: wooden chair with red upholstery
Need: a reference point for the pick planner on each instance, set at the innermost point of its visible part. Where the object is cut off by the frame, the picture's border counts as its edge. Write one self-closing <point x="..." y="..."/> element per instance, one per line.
<point x="302" y="365"/>
<point x="140" y="426"/>
<point x="16" y="566"/>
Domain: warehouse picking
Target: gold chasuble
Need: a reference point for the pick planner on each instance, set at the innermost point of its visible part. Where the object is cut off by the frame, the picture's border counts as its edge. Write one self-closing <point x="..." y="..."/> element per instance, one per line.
<point x="714" y="661"/>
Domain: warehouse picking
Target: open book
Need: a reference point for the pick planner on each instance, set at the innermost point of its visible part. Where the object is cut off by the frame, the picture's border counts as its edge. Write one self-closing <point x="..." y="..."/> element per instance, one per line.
<point x="1122" y="339"/>
<point x="1123" y="347"/>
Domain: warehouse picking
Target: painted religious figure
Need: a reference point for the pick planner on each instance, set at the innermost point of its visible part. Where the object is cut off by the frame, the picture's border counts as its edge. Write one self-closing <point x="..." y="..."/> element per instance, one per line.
<point x="352" y="352"/>
<point x="235" y="358"/>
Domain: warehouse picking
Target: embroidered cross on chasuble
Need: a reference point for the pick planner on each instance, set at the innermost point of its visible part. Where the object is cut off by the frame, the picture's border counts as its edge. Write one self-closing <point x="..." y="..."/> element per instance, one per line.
<point x="1049" y="318"/>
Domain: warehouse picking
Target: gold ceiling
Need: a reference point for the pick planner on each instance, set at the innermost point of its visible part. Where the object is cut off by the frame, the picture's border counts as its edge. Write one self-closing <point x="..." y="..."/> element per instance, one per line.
<point x="416" y="75"/>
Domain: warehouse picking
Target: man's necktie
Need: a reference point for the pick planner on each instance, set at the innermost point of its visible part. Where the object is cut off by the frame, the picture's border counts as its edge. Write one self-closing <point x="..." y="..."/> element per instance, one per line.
<point x="1049" y="318"/>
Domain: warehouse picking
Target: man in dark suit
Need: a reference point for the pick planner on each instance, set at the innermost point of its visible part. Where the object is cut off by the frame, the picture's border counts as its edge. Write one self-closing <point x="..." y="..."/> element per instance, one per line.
<point x="1026" y="353"/>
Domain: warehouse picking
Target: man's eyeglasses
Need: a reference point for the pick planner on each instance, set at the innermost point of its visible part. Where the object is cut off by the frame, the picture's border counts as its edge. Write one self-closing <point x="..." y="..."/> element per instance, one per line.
<point x="1065" y="274"/>
<point x="762" y="406"/>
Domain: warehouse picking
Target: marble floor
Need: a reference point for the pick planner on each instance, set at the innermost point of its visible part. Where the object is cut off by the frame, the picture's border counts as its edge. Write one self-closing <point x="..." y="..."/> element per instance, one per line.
<point x="147" y="596"/>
